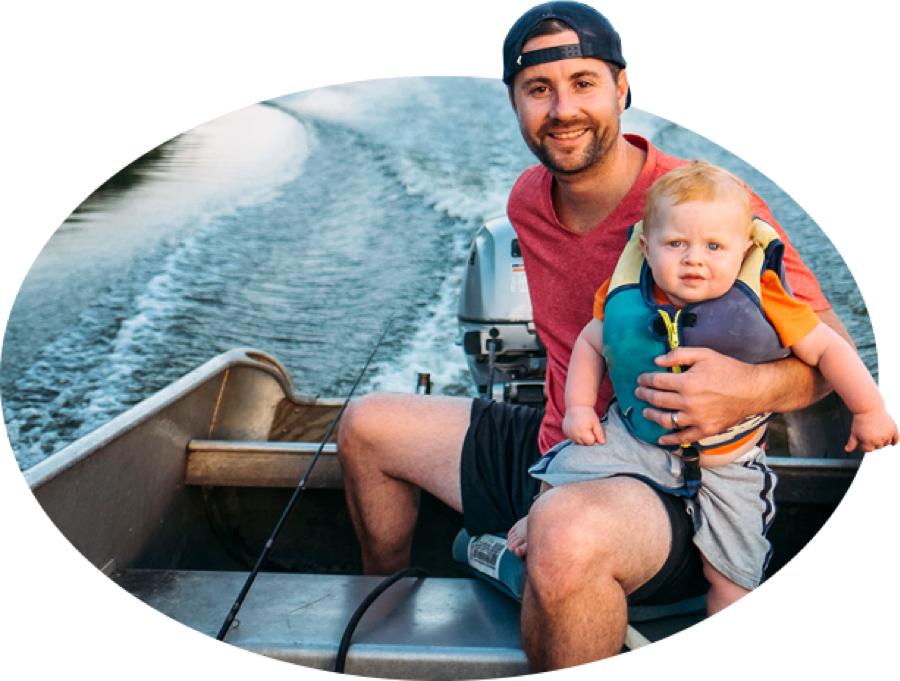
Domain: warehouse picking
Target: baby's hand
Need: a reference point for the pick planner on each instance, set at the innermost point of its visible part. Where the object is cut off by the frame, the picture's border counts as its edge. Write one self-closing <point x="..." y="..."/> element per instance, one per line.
<point x="582" y="426"/>
<point x="872" y="430"/>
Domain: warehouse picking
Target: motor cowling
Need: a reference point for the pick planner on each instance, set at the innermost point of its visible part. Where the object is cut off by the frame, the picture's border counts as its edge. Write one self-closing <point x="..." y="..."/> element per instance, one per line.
<point x="495" y="314"/>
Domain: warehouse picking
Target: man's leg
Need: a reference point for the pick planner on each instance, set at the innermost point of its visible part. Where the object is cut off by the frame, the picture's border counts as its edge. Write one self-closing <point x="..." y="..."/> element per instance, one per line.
<point x="390" y="445"/>
<point x="590" y="544"/>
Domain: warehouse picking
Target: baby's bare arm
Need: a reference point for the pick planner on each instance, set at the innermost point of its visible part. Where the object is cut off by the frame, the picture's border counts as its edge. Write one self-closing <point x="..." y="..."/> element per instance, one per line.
<point x="841" y="366"/>
<point x="838" y="362"/>
<point x="586" y="370"/>
<point x="586" y="366"/>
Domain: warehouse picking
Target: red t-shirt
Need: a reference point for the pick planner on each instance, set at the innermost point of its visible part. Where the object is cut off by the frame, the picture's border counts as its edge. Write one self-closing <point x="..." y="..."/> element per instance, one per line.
<point x="565" y="269"/>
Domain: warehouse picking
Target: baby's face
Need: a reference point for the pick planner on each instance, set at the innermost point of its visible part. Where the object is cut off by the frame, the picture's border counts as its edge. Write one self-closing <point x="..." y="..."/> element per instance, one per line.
<point x="696" y="249"/>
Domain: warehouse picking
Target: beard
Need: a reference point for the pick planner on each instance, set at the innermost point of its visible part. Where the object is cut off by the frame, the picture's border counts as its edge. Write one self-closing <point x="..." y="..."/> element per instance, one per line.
<point x="576" y="160"/>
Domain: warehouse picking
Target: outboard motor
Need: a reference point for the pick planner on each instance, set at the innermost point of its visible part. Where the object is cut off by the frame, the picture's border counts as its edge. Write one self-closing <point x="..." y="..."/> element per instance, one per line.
<point x="506" y="358"/>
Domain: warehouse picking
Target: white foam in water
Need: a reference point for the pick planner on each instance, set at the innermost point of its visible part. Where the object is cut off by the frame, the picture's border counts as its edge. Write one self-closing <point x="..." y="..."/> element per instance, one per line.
<point x="442" y="192"/>
<point x="432" y="349"/>
<point x="148" y="326"/>
<point x="427" y="164"/>
<point x="368" y="103"/>
<point x="244" y="158"/>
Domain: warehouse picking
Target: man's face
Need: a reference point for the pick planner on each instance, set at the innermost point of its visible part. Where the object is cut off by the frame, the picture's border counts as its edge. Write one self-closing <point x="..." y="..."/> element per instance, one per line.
<point x="568" y="110"/>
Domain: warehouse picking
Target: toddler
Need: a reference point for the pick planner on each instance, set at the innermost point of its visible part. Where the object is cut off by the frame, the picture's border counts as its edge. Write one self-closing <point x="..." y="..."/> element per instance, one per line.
<point x="699" y="271"/>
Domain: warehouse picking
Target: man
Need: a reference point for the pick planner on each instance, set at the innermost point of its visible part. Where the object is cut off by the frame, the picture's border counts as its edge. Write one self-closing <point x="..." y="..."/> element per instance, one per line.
<point x="593" y="547"/>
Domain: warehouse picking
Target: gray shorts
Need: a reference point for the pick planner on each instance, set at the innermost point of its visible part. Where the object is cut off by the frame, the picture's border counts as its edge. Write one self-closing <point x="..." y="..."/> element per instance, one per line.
<point x="731" y="513"/>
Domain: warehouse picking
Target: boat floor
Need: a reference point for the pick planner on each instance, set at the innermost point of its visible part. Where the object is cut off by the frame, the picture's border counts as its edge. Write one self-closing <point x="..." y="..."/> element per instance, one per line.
<point x="435" y="628"/>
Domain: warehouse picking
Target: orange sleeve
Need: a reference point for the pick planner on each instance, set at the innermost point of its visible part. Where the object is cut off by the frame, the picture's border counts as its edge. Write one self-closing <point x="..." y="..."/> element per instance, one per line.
<point x="600" y="299"/>
<point x="803" y="282"/>
<point x="792" y="318"/>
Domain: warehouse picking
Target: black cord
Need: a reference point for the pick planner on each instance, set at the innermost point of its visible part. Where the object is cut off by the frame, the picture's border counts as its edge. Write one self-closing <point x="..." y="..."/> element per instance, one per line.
<point x="383" y="586"/>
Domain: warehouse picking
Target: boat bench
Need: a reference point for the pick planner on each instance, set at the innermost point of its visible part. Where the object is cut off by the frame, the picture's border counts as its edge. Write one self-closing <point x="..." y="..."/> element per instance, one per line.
<point x="489" y="619"/>
<point x="251" y="463"/>
<point x="257" y="463"/>
<point x="434" y="628"/>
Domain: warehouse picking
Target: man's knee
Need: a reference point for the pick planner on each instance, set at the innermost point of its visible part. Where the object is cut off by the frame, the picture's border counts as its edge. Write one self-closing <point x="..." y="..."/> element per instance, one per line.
<point x="602" y="530"/>
<point x="359" y="426"/>
<point x="567" y="540"/>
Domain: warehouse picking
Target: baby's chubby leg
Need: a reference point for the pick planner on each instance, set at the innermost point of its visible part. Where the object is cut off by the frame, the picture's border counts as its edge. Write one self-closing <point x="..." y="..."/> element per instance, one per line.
<point x="517" y="537"/>
<point x="722" y="591"/>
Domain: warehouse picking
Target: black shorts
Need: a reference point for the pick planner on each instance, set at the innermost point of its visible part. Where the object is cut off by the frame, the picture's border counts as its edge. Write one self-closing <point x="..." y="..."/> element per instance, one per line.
<point x="498" y="449"/>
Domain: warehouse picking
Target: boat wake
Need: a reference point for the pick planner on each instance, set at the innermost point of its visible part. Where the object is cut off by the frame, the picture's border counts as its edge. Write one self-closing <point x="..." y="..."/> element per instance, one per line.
<point x="298" y="226"/>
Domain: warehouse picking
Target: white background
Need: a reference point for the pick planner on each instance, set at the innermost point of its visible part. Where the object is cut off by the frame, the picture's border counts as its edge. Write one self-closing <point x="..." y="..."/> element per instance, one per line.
<point x="804" y="92"/>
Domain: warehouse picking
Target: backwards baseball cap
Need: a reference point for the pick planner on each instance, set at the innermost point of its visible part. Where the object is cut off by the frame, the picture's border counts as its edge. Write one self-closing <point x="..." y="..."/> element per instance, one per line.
<point x="597" y="39"/>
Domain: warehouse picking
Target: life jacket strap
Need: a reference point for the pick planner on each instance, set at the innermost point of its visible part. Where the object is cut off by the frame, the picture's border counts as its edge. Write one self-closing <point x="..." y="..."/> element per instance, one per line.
<point x="690" y="457"/>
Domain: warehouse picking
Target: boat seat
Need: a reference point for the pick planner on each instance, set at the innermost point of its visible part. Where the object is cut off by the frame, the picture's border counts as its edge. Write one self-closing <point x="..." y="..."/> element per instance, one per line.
<point x="434" y="628"/>
<point x="259" y="463"/>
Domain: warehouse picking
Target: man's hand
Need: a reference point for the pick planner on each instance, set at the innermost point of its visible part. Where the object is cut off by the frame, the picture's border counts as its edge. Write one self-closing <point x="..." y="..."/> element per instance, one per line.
<point x="712" y="393"/>
<point x="582" y="425"/>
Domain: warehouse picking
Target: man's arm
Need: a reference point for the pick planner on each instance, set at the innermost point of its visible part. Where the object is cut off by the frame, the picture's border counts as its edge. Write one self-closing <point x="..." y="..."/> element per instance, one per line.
<point x="719" y="391"/>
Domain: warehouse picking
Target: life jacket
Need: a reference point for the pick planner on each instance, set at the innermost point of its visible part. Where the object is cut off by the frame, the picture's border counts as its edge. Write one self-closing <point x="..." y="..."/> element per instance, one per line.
<point x="637" y="329"/>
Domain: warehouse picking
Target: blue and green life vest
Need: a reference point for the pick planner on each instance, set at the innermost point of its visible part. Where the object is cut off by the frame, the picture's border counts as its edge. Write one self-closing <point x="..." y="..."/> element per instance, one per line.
<point x="637" y="329"/>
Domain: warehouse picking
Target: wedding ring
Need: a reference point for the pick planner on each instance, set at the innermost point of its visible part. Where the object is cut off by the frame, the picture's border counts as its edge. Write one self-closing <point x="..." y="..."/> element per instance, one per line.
<point x="674" y="416"/>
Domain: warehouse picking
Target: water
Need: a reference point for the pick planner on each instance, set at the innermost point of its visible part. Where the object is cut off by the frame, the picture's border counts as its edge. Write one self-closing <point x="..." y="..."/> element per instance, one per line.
<point x="298" y="227"/>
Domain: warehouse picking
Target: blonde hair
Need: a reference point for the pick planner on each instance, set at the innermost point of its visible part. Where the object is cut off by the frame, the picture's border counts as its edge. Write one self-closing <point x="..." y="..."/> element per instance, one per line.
<point x="695" y="181"/>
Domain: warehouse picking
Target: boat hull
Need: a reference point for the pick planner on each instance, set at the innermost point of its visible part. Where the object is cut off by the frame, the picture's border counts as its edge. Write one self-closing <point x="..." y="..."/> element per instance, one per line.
<point x="175" y="498"/>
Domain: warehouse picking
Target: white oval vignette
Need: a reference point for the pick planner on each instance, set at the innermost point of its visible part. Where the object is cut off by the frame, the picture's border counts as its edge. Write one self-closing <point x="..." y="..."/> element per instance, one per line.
<point x="801" y="93"/>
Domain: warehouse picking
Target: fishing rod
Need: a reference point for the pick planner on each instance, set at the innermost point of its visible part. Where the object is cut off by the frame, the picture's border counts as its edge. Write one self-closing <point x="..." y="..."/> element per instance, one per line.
<point x="298" y="491"/>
